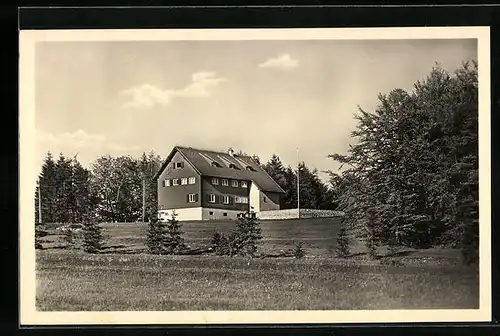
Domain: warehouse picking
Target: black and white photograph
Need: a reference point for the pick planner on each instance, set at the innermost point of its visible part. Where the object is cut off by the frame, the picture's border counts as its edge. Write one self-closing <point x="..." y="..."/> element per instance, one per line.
<point x="255" y="176"/>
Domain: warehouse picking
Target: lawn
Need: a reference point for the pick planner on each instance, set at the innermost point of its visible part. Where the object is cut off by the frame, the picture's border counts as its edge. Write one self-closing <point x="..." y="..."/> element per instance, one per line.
<point x="73" y="281"/>
<point x="124" y="278"/>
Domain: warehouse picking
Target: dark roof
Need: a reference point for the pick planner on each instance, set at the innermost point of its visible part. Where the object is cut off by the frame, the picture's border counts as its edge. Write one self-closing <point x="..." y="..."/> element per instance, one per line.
<point x="201" y="160"/>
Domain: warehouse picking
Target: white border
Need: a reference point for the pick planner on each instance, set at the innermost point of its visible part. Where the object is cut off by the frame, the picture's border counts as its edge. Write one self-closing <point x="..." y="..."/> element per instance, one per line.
<point x="28" y="313"/>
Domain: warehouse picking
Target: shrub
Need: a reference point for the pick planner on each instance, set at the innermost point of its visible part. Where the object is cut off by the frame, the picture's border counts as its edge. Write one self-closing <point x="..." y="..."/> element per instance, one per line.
<point x="72" y="237"/>
<point x="298" y="251"/>
<point x="93" y="239"/>
<point x="244" y="240"/>
<point x="39" y="233"/>
<point x="174" y="242"/>
<point x="343" y="249"/>
<point x="221" y="244"/>
<point x="156" y="236"/>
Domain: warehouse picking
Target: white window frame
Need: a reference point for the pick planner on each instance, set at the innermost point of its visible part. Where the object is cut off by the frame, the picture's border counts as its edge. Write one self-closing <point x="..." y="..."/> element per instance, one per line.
<point x="192" y="198"/>
<point x="234" y="183"/>
<point x="167" y="183"/>
<point x="175" y="182"/>
<point x="226" y="182"/>
<point x="211" y="198"/>
<point x="192" y="180"/>
<point x="215" y="181"/>
<point x="244" y="184"/>
<point x="245" y="200"/>
<point x="237" y="199"/>
<point x="224" y="199"/>
<point x="184" y="181"/>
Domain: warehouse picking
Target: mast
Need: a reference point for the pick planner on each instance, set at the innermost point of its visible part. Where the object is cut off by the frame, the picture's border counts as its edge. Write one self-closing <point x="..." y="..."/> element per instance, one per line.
<point x="298" y="183"/>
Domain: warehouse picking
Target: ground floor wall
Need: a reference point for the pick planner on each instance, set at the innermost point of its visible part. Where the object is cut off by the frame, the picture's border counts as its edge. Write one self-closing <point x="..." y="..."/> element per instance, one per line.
<point x="183" y="214"/>
<point x="199" y="213"/>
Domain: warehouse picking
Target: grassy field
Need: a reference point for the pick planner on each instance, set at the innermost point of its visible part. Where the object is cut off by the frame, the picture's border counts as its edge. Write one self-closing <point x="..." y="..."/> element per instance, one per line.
<point x="123" y="277"/>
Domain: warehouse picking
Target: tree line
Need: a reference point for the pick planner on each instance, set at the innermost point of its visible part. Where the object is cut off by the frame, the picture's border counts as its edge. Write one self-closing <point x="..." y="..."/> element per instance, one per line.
<point x="122" y="189"/>
<point x="410" y="176"/>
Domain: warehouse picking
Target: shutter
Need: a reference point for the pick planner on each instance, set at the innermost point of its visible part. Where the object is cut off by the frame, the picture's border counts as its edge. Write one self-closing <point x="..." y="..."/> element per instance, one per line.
<point x="196" y="197"/>
<point x="187" y="198"/>
<point x="217" y="199"/>
<point x="182" y="164"/>
<point x="231" y="200"/>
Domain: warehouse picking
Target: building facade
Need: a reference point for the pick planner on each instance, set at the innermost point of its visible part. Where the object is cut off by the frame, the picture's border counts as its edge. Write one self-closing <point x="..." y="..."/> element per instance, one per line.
<point x="207" y="185"/>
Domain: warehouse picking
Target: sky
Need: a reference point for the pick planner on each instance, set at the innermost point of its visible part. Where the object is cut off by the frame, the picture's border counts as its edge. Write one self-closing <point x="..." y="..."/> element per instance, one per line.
<point x="262" y="97"/>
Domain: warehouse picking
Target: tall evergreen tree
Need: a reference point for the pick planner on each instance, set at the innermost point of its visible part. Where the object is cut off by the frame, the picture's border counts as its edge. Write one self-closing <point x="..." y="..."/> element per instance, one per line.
<point x="47" y="190"/>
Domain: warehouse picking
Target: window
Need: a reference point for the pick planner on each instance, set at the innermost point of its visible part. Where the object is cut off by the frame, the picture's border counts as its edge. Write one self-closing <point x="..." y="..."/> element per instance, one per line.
<point x="192" y="198"/>
<point x="265" y="199"/>
<point x="241" y="200"/>
<point x="175" y="182"/>
<point x="225" y="199"/>
<point x="211" y="213"/>
<point x="215" y="181"/>
<point x="243" y="184"/>
<point x="166" y="183"/>
<point x="225" y="182"/>
<point x="250" y="168"/>
<point x="211" y="198"/>
<point x="216" y="164"/>
<point x="192" y="180"/>
<point x="224" y="214"/>
<point x="233" y="166"/>
<point x="234" y="183"/>
<point x="184" y="181"/>
<point x="179" y="165"/>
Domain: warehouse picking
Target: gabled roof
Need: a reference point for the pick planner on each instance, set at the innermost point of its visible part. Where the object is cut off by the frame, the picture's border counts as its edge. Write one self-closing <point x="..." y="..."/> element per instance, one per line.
<point x="201" y="160"/>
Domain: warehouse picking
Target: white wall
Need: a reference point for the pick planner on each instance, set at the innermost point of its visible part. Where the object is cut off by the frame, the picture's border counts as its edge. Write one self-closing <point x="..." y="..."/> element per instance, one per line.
<point x="255" y="196"/>
<point x="218" y="214"/>
<point x="184" y="214"/>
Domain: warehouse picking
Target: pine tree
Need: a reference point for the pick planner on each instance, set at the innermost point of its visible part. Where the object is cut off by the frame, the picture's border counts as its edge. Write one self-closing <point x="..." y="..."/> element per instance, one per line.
<point x="244" y="240"/>
<point x="93" y="239"/>
<point x="298" y="251"/>
<point x="47" y="188"/>
<point x="64" y="202"/>
<point x="174" y="241"/>
<point x="343" y="249"/>
<point x="156" y="236"/>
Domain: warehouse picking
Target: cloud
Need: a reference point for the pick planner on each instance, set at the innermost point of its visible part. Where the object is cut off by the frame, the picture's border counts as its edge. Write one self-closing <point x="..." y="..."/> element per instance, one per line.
<point x="282" y="62"/>
<point x="146" y="95"/>
<point x="79" y="140"/>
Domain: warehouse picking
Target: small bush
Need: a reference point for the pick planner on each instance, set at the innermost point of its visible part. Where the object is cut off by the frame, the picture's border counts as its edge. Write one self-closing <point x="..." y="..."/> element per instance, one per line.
<point x="343" y="249"/>
<point x="244" y="240"/>
<point x="39" y="233"/>
<point x="72" y="237"/>
<point x="221" y="244"/>
<point x="93" y="238"/>
<point x="298" y="251"/>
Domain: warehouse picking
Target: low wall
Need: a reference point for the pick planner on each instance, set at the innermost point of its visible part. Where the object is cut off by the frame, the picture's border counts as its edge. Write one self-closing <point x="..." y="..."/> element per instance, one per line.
<point x="295" y="213"/>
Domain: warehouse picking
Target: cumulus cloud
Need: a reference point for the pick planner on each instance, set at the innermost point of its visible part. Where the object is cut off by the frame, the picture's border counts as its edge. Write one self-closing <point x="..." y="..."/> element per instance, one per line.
<point x="147" y="95"/>
<point x="79" y="140"/>
<point x="282" y="62"/>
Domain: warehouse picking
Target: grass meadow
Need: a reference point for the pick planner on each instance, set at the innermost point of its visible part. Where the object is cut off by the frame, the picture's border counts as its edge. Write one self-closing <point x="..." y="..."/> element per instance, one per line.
<point x="124" y="278"/>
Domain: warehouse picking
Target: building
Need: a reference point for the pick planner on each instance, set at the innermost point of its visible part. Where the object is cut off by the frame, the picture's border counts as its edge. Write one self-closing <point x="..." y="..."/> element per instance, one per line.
<point x="203" y="185"/>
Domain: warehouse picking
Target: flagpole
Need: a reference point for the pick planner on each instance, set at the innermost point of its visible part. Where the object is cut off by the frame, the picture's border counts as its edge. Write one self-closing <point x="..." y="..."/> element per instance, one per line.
<point x="298" y="183"/>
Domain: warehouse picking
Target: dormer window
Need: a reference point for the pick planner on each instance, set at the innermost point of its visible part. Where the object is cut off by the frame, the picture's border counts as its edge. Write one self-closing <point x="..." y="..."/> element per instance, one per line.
<point x="250" y="168"/>
<point x="216" y="164"/>
<point x="233" y="166"/>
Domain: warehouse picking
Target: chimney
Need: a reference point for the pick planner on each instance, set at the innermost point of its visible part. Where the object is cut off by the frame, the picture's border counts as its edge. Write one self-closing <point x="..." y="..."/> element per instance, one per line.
<point x="230" y="152"/>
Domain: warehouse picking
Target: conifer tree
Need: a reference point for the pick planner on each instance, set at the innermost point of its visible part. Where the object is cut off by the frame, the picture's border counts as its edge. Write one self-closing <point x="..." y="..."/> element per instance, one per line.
<point x="244" y="240"/>
<point x="93" y="239"/>
<point x="174" y="241"/>
<point x="343" y="249"/>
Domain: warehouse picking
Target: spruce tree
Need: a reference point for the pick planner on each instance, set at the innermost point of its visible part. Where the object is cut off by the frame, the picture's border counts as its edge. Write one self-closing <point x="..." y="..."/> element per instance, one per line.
<point x="343" y="249"/>
<point x="156" y="236"/>
<point x="93" y="239"/>
<point x="244" y="240"/>
<point x="174" y="242"/>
